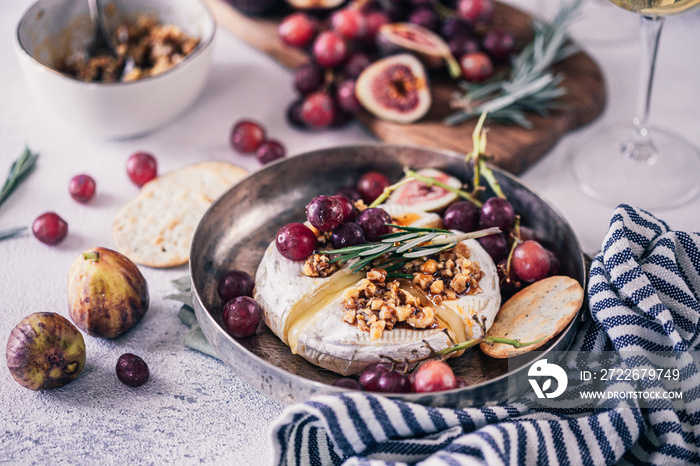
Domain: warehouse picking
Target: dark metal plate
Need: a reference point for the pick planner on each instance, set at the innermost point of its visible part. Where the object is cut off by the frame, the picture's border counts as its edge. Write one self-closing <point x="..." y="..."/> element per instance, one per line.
<point x="238" y="227"/>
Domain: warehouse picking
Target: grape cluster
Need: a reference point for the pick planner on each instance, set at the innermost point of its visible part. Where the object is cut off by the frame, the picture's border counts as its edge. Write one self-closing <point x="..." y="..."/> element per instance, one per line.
<point x="342" y="46"/>
<point x="432" y="375"/>
<point x="241" y="313"/>
<point x="336" y="215"/>
<point x="530" y="260"/>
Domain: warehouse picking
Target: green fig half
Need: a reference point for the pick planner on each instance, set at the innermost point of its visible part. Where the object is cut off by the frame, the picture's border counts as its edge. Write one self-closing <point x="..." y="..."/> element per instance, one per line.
<point x="45" y="351"/>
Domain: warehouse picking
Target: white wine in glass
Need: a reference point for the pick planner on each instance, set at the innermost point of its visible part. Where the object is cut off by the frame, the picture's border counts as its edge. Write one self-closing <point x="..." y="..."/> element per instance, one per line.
<point x="636" y="163"/>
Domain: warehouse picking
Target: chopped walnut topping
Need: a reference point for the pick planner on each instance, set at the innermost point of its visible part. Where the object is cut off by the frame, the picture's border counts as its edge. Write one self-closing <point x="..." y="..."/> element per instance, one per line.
<point x="451" y="275"/>
<point x="375" y="305"/>
<point x="319" y="265"/>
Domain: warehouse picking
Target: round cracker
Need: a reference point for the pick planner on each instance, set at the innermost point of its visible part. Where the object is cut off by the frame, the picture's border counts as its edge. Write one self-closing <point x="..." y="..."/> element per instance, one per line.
<point x="156" y="228"/>
<point x="541" y="310"/>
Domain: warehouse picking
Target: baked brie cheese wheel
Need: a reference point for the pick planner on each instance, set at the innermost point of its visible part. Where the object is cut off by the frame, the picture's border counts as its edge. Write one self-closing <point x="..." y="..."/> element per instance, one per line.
<point x="347" y="320"/>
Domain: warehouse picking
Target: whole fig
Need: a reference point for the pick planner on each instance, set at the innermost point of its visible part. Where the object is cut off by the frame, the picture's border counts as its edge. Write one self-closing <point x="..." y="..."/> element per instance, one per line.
<point x="45" y="351"/>
<point x="107" y="295"/>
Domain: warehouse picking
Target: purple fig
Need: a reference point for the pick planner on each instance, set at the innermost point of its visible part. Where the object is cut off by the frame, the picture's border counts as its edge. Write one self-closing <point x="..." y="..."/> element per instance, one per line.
<point x="107" y="295"/>
<point x="45" y="351"/>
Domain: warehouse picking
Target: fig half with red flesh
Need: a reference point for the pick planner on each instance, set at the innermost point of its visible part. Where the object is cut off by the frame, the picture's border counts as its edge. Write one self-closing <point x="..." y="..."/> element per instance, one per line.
<point x="430" y="48"/>
<point x="314" y="5"/>
<point x="395" y="89"/>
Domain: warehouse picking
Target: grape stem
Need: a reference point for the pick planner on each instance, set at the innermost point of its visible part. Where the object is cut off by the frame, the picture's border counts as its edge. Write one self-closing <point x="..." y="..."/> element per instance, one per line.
<point x="477" y="156"/>
<point x="516" y="241"/>
<point x="488" y="340"/>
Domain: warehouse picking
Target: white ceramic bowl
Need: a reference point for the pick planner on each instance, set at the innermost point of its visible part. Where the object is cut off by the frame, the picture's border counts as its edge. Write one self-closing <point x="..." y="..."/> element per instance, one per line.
<point x="50" y="28"/>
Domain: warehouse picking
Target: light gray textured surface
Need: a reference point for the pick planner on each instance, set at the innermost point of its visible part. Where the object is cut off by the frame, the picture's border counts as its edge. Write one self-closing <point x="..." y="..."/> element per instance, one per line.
<point x="195" y="409"/>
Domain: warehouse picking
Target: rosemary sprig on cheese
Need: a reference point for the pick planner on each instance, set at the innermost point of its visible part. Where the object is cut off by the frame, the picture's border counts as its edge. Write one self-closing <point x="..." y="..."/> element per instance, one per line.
<point x="531" y="86"/>
<point x="404" y="245"/>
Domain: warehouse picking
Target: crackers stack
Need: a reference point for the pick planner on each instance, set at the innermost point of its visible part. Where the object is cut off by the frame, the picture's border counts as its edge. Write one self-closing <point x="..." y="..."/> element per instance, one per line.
<point x="156" y="228"/>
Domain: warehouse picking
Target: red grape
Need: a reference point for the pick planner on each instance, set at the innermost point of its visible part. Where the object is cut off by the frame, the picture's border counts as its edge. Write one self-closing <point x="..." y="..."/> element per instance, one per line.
<point x="296" y="241"/>
<point x="347" y="382"/>
<point x="318" y="110"/>
<point x="132" y="370"/>
<point x="374" y="223"/>
<point x="530" y="261"/>
<point x="349" y="23"/>
<point x="499" y="43"/>
<point x="434" y="376"/>
<point x="346" y="235"/>
<point x="425" y="17"/>
<point x="345" y="96"/>
<point x="475" y="11"/>
<point x="463" y="216"/>
<point x="461" y="46"/>
<point x="394" y="382"/>
<point x="297" y="30"/>
<point x="141" y="168"/>
<point x="247" y="136"/>
<point x="325" y="213"/>
<point x="82" y="188"/>
<point x="309" y="78"/>
<point x="350" y="192"/>
<point x="527" y="233"/>
<point x="294" y="114"/>
<point x="495" y="245"/>
<point x="270" y="151"/>
<point x="349" y="211"/>
<point x="356" y="64"/>
<point x="330" y="49"/>
<point x="476" y="66"/>
<point x="235" y="283"/>
<point x="371" y="185"/>
<point x="370" y="376"/>
<point x="241" y="316"/>
<point x="49" y="228"/>
<point x="375" y="20"/>
<point x="453" y="28"/>
<point x="554" y="263"/>
<point x="497" y="212"/>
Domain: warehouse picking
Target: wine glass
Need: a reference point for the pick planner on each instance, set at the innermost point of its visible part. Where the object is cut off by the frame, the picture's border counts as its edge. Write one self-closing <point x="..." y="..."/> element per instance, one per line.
<point x="640" y="164"/>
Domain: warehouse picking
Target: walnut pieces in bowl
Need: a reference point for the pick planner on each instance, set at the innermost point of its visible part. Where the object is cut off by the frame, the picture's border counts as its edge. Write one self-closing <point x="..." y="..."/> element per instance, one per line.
<point x="89" y="98"/>
<point x="143" y="48"/>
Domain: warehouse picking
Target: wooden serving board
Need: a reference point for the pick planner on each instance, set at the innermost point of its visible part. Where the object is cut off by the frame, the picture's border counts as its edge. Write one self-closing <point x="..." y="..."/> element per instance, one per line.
<point x="513" y="148"/>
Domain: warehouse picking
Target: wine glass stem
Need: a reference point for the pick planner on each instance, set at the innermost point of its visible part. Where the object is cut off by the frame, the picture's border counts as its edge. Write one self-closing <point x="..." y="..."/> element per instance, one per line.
<point x="641" y="146"/>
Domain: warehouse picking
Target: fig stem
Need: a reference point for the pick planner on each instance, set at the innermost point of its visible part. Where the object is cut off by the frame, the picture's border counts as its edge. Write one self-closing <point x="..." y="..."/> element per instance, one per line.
<point x="92" y="256"/>
<point x="432" y="181"/>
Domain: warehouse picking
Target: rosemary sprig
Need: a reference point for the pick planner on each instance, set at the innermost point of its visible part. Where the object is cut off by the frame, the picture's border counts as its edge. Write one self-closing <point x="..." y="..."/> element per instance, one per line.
<point x="530" y="86"/>
<point x="19" y="171"/>
<point x="410" y="243"/>
<point x="12" y="233"/>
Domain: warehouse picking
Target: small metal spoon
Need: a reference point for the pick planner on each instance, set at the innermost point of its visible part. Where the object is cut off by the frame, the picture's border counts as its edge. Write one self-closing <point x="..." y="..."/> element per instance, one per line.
<point x="102" y="42"/>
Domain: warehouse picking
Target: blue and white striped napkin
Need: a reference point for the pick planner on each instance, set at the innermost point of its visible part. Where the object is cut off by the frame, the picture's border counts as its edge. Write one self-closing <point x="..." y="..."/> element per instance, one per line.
<point x="644" y="294"/>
